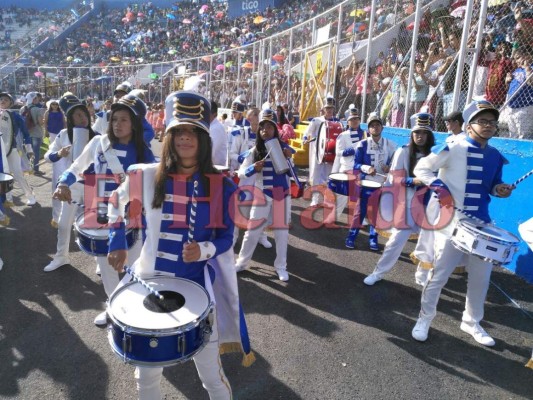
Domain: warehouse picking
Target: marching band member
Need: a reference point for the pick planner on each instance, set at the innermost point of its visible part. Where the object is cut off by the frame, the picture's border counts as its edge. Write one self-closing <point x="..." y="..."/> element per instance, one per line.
<point x="423" y="254"/>
<point x="275" y="187"/>
<point x="469" y="171"/>
<point x="103" y="117"/>
<point x="12" y="137"/>
<point x="244" y="139"/>
<point x="345" y="152"/>
<point x="111" y="155"/>
<point x="401" y="173"/>
<point x="77" y="134"/>
<point x="4" y="168"/>
<point x="167" y="188"/>
<point x="318" y="173"/>
<point x="526" y="232"/>
<point x="219" y="138"/>
<point x="372" y="161"/>
<point x="241" y="138"/>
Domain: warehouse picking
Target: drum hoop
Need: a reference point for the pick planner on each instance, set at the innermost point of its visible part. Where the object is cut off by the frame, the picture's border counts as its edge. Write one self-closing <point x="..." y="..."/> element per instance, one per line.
<point x="486" y="236"/>
<point x="342" y="174"/>
<point x="80" y="231"/>
<point x="493" y="261"/>
<point x="160" y="332"/>
<point x="371" y="186"/>
<point x="8" y="175"/>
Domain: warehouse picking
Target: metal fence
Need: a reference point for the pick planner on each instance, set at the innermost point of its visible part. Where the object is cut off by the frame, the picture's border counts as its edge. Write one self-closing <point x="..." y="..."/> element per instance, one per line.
<point x="395" y="59"/>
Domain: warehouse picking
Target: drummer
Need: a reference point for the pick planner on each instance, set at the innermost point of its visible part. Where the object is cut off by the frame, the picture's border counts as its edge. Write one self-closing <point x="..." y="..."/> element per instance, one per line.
<point x="319" y="173"/>
<point x="275" y="187"/>
<point x="109" y="155"/>
<point x="401" y="174"/>
<point x="470" y="192"/>
<point x="372" y="160"/>
<point x="186" y="157"/>
<point x="18" y="134"/>
<point x="345" y="152"/>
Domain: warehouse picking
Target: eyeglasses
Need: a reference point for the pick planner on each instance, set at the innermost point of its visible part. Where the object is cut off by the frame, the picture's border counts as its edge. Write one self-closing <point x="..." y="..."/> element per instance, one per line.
<point x="485" y="122"/>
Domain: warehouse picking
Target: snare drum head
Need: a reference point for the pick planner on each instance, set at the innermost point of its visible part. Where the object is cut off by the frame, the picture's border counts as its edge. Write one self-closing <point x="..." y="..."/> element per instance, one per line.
<point x="91" y="228"/>
<point x="340" y="176"/>
<point x="490" y="231"/>
<point x="370" y="184"/>
<point x="132" y="304"/>
<point x="222" y="168"/>
<point x="5" y="177"/>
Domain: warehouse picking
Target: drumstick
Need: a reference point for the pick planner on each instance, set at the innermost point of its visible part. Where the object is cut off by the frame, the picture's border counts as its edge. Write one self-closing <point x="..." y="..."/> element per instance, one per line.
<point x="192" y="219"/>
<point x="143" y="283"/>
<point x="382" y="175"/>
<point x="268" y="153"/>
<point x="522" y="178"/>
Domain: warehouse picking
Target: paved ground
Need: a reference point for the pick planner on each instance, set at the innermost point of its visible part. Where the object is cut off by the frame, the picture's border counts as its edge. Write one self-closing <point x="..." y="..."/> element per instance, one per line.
<point x="322" y="335"/>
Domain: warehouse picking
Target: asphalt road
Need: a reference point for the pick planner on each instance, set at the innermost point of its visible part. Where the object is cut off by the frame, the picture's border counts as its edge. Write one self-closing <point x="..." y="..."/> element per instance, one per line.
<point x="322" y="335"/>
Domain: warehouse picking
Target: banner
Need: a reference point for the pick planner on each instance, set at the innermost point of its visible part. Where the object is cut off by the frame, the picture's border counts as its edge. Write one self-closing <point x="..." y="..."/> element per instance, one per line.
<point x="236" y="8"/>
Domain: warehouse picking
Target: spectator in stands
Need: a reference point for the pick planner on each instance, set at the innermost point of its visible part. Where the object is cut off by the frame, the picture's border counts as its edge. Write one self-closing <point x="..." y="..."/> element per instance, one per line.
<point x="497" y="87"/>
<point x="54" y="120"/>
<point x="420" y="88"/>
<point x="520" y="95"/>
<point x="399" y="94"/>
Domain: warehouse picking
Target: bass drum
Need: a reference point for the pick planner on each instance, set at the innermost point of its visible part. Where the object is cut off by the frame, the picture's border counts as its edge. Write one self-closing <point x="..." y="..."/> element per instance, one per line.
<point x="6" y="127"/>
<point x="326" y="141"/>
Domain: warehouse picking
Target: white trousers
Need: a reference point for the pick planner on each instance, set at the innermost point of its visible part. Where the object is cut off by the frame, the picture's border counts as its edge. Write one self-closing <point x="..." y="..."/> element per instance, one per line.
<point x="66" y="220"/>
<point x="209" y="369"/>
<point x="393" y="250"/>
<point x="281" y="235"/>
<point x="447" y="257"/>
<point x="15" y="168"/>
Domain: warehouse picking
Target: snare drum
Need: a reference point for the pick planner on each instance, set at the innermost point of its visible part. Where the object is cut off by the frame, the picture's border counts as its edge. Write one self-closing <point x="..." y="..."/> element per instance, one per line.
<point x="340" y="183"/>
<point x="149" y="332"/>
<point x="366" y="183"/>
<point x="485" y="241"/>
<point x="223" y="169"/>
<point x="6" y="182"/>
<point x="92" y="237"/>
<point x="326" y="141"/>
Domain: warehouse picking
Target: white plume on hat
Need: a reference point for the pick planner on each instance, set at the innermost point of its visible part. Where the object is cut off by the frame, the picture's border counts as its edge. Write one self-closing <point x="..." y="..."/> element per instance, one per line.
<point x="266" y="106"/>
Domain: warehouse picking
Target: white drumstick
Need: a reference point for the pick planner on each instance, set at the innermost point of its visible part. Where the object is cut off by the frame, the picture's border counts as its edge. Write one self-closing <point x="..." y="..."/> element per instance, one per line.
<point x="192" y="219"/>
<point x="143" y="283"/>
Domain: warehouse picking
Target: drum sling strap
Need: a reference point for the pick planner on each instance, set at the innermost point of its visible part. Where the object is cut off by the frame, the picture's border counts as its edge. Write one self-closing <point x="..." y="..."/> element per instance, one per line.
<point x="112" y="160"/>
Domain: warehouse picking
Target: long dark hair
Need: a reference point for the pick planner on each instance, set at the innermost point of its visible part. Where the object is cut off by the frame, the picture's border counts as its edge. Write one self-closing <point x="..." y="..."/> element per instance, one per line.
<point x="70" y="122"/>
<point x="414" y="150"/>
<point x="260" y="151"/>
<point x="170" y="162"/>
<point x="137" y="135"/>
<point x="282" y="119"/>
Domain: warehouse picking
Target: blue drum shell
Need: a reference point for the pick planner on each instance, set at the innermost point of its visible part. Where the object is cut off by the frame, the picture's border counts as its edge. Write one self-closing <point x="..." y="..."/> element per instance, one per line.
<point x="157" y="349"/>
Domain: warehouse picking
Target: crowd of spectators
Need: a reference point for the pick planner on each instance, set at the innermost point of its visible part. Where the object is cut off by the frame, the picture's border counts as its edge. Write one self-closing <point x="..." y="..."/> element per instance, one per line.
<point x="36" y="26"/>
<point x="118" y="39"/>
<point x="504" y="67"/>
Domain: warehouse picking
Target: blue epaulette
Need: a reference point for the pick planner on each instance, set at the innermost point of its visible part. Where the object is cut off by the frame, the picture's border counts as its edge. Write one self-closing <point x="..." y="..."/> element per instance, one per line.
<point x="440" y="147"/>
<point x="236" y="132"/>
<point x="100" y="114"/>
<point x="243" y="155"/>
